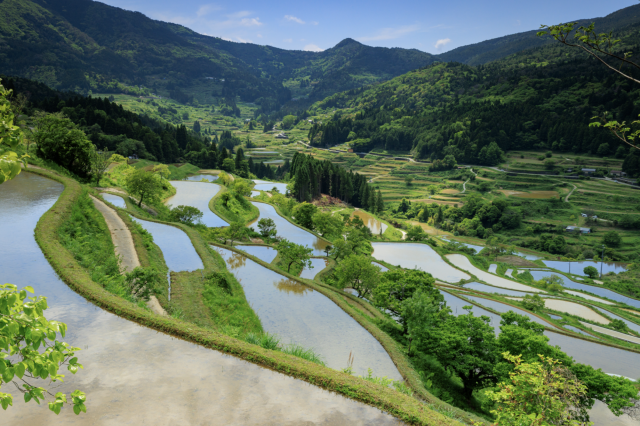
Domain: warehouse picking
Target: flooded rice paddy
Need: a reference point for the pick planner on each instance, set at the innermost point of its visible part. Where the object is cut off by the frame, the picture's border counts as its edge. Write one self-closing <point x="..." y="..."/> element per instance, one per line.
<point x="463" y="262"/>
<point x="376" y="226"/>
<point x="135" y="375"/>
<point x="264" y="253"/>
<point x="578" y="267"/>
<point x="198" y="195"/>
<point x="418" y="256"/>
<point x="599" y="291"/>
<point x="318" y="265"/>
<point x="300" y="315"/>
<point x="575" y="309"/>
<point x="497" y="290"/>
<point x="265" y="185"/>
<point x="116" y="200"/>
<point x="199" y="178"/>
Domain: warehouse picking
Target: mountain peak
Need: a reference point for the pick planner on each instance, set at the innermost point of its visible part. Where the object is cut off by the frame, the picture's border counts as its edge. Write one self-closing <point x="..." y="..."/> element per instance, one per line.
<point x="347" y="42"/>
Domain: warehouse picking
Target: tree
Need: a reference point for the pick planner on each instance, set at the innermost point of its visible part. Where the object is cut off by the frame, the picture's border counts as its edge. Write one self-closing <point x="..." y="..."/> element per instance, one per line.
<point x="30" y="350"/>
<point x="408" y="180"/>
<point x="291" y="253"/>
<point x="288" y="121"/>
<point x="602" y="47"/>
<point x="228" y="165"/>
<point x="327" y="225"/>
<point x="235" y="231"/>
<point x="533" y="303"/>
<point x="357" y="271"/>
<point x="143" y="185"/>
<point x="186" y="214"/>
<point x="612" y="239"/>
<point x="58" y="139"/>
<point x="539" y="393"/>
<point x="162" y="170"/>
<point x="303" y="214"/>
<point x="416" y="233"/>
<point x="398" y="285"/>
<point x="99" y="163"/>
<point x="591" y="272"/>
<point x="10" y="139"/>
<point x="241" y="188"/>
<point x="267" y="228"/>
<point x="466" y="346"/>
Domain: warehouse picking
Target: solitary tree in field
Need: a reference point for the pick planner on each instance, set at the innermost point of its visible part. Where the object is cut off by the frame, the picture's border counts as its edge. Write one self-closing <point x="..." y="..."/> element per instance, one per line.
<point x="291" y="254"/>
<point x="99" y="162"/>
<point x="144" y="185"/>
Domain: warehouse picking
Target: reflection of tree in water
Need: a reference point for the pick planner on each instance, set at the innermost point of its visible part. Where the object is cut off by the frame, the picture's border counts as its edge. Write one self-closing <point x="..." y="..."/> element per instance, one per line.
<point x="236" y="261"/>
<point x="290" y="286"/>
<point x="319" y="244"/>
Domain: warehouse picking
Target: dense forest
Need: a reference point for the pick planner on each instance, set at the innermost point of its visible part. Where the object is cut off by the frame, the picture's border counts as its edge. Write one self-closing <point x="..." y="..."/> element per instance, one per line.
<point x="542" y="98"/>
<point x="314" y="177"/>
<point x="110" y="127"/>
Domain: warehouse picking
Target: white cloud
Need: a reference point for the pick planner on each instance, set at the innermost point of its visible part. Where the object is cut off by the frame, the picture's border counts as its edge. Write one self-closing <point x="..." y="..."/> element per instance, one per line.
<point x="312" y="48"/>
<point x="288" y="40"/>
<point x="442" y="42"/>
<point x="242" y="40"/>
<point x="207" y="9"/>
<point x="238" y="15"/>
<point x="391" y="33"/>
<point x="259" y="35"/>
<point x="293" y="19"/>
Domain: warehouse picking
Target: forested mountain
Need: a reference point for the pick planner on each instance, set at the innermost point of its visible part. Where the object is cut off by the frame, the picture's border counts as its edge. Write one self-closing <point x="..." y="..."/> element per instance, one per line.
<point x="84" y="45"/>
<point x="542" y="98"/>
<point x="497" y="48"/>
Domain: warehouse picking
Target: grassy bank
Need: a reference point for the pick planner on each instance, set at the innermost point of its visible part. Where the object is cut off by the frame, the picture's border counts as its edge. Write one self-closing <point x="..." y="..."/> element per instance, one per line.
<point x="404" y="407"/>
<point x="238" y="209"/>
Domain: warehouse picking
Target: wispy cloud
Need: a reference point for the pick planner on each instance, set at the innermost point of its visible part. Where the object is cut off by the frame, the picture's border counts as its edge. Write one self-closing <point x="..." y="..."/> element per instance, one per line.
<point x="442" y="43"/>
<point x="242" y="40"/>
<point x="391" y="33"/>
<point x="312" y="48"/>
<point x="293" y="19"/>
<point x="207" y="9"/>
<point x="288" y="40"/>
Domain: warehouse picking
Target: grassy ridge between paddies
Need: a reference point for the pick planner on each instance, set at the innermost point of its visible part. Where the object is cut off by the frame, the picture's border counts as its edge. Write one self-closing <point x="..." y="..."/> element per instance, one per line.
<point x="195" y="297"/>
<point x="362" y="312"/>
<point x="402" y="406"/>
<point x="245" y="213"/>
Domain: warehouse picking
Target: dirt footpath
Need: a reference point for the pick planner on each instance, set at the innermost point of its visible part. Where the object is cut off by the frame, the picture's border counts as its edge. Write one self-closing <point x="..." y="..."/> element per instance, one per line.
<point x="125" y="249"/>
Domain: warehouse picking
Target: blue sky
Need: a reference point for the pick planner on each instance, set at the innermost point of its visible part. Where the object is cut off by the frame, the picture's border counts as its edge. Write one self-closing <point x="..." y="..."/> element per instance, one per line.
<point x="430" y="26"/>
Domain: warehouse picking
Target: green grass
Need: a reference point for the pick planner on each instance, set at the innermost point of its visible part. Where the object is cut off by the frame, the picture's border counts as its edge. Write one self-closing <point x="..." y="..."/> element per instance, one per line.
<point x="239" y="209"/>
<point x="272" y="342"/>
<point x="86" y="235"/>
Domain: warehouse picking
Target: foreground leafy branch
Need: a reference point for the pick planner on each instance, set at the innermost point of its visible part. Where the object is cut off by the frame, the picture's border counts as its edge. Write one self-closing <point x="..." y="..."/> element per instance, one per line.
<point x="600" y="46"/>
<point x="24" y="331"/>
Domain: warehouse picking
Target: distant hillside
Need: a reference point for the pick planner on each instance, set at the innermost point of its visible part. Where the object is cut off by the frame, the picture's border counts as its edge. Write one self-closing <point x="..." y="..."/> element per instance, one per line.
<point x="84" y="45"/>
<point x="541" y="98"/>
<point x="497" y="48"/>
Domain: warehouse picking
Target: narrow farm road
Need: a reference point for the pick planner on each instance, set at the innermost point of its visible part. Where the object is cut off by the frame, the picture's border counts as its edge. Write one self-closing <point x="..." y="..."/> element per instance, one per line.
<point x="124" y="247"/>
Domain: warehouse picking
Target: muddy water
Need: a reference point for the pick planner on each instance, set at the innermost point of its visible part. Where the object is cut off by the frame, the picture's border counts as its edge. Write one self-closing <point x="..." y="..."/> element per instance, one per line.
<point x="264" y="253"/>
<point x="300" y="315"/>
<point x="418" y="256"/>
<point x="265" y="185"/>
<point x="578" y="267"/>
<point x="116" y="200"/>
<point x="198" y="195"/>
<point x="371" y="222"/>
<point x="318" y="265"/>
<point x="134" y="375"/>
<point x="599" y="291"/>
<point x="286" y="229"/>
